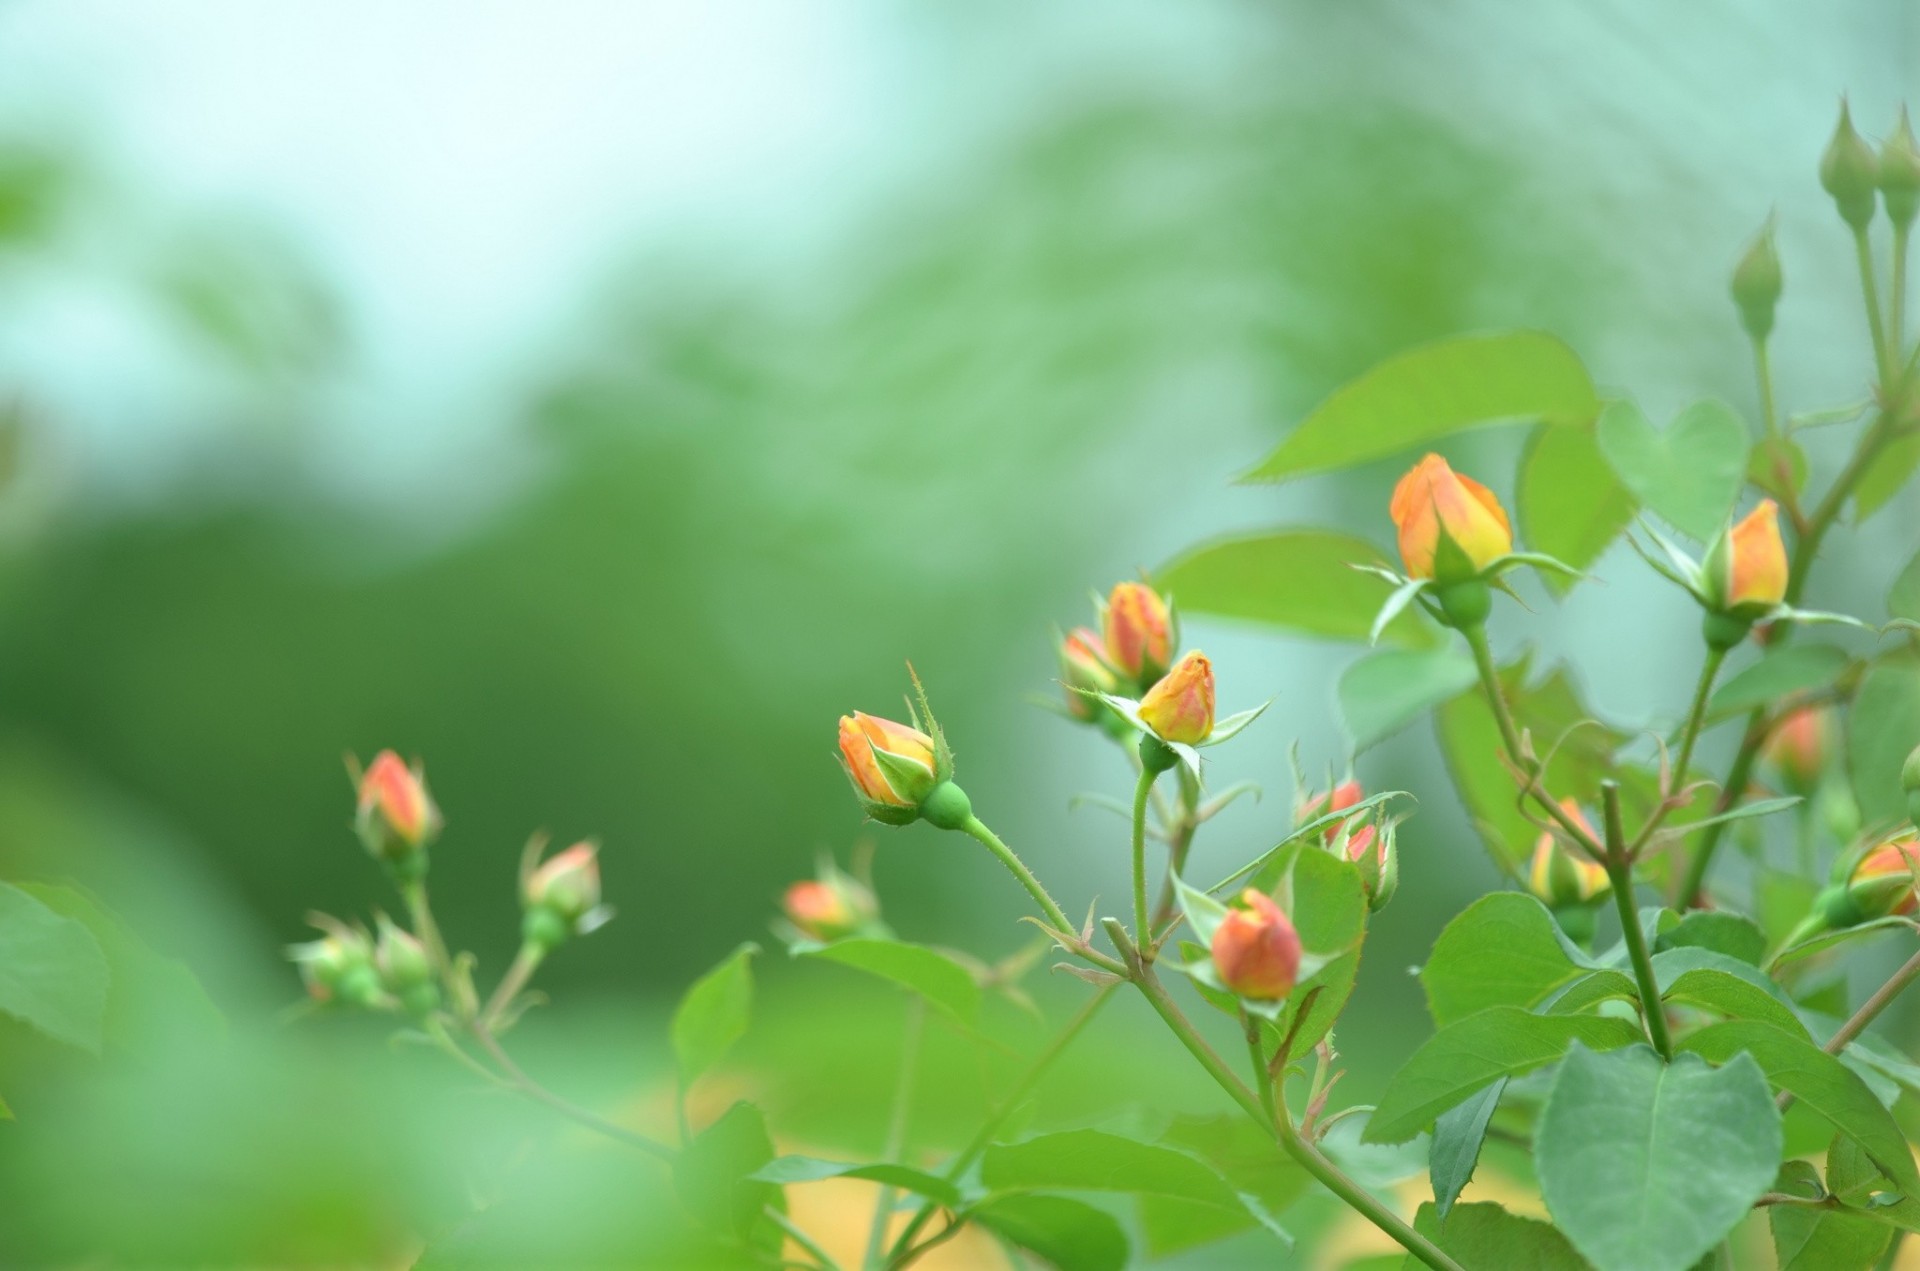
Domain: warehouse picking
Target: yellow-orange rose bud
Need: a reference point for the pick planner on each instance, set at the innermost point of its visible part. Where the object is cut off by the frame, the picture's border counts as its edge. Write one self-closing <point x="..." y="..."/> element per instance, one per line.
<point x="1180" y="707"/>
<point x="1450" y="527"/>
<point x="1797" y="748"/>
<point x="1137" y="628"/>
<point x="1255" y="949"/>
<point x="826" y="911"/>
<point x="862" y="734"/>
<point x="1558" y="875"/>
<point x="1756" y="565"/>
<point x="1883" y="881"/>
<point x="1084" y="669"/>
<point x="394" y="815"/>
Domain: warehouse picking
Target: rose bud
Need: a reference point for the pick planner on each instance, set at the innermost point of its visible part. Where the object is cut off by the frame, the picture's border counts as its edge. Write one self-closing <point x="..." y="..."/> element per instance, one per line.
<point x="1883" y="882"/>
<point x="395" y="816"/>
<point x="1083" y="670"/>
<point x="1138" y="630"/>
<point x="1850" y="173"/>
<point x="1373" y="850"/>
<point x="1797" y="748"/>
<point x="1451" y="527"/>
<point x="1558" y="874"/>
<point x="338" y="967"/>
<point x="1900" y="172"/>
<point x="1255" y="949"/>
<point x="892" y="767"/>
<point x="562" y="896"/>
<point x="1757" y="284"/>
<point x="1180" y="707"/>
<point x="829" y="909"/>
<point x="1746" y="569"/>
<point x="405" y="969"/>
<point x="1318" y="804"/>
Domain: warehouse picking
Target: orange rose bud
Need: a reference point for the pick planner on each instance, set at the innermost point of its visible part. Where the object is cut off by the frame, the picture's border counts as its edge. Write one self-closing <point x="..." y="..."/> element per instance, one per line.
<point x="1883" y="882"/>
<point x="828" y="910"/>
<point x="1797" y="748"/>
<point x="898" y="784"/>
<point x="1138" y="631"/>
<point x="1559" y="875"/>
<point x="1756" y="566"/>
<point x="568" y="884"/>
<point x="1319" y="804"/>
<point x="395" y="816"/>
<point x="1084" y="669"/>
<point x="1450" y="527"/>
<point x="1255" y="949"/>
<point x="1180" y="707"/>
<point x="1375" y="853"/>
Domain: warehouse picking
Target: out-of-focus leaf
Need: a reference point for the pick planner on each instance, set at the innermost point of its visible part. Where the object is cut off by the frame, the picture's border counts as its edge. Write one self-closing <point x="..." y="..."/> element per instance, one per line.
<point x="945" y="984"/>
<point x="1885" y="476"/>
<point x="809" y="1169"/>
<point x="714" y="1014"/>
<point x="1785" y="669"/>
<point x="717" y="1178"/>
<point x="1778" y="466"/>
<point x="1690" y="473"/>
<point x="1571" y="503"/>
<point x="1882" y="729"/>
<point x="1299" y="579"/>
<point x="53" y="974"/>
<point x="1502" y="950"/>
<point x="1463" y="1057"/>
<point x="1903" y="601"/>
<point x="1485" y="1235"/>
<point x="1646" y="1165"/>
<point x="1070" y="1234"/>
<point x="1818" y="1080"/>
<point x="1816" y="1238"/>
<point x="1435" y="391"/>
<point x="1094" y="1160"/>
<point x="1382" y="693"/>
<point x="1457" y="1136"/>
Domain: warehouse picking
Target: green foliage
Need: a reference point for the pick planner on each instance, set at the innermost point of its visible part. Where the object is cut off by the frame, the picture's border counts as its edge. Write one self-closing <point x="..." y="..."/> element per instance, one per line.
<point x="1882" y="730"/>
<point x="1690" y="473"/>
<point x="1381" y="694"/>
<point x="1814" y="1238"/>
<point x="52" y="972"/>
<point x="1429" y="393"/>
<point x="1458" y="1134"/>
<point x="927" y="973"/>
<point x="1484" y="1235"/>
<point x="714" y="1014"/>
<point x="1731" y="996"/>
<point x="1502" y="950"/>
<point x="718" y="1177"/>
<point x="1070" y="1234"/>
<point x="1780" y="672"/>
<point x="1570" y="502"/>
<point x="1646" y="1165"/>
<point x="1300" y="580"/>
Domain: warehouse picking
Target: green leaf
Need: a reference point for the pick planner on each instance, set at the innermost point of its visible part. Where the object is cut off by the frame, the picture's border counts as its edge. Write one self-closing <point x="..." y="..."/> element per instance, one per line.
<point x="1734" y="997"/>
<point x="1851" y="1174"/>
<point x="1601" y="986"/>
<point x="713" y="1014"/>
<point x="945" y="984"/>
<point x="53" y="975"/>
<point x="1691" y="473"/>
<point x="716" y="1177"/>
<point x="1502" y="950"/>
<point x="1483" y="1235"/>
<point x="1501" y="1041"/>
<point x="1885" y="476"/>
<point x="1904" y="600"/>
<point x="1824" y="1084"/>
<point x="1435" y="391"/>
<point x="1882" y="729"/>
<point x="1329" y="907"/>
<point x="1094" y="1160"/>
<point x="1383" y="693"/>
<point x="1782" y="671"/>
<point x="1816" y="1238"/>
<point x="1458" y="1134"/>
<point x="1722" y="931"/>
<point x="1070" y="1234"/>
<point x="1571" y="504"/>
<point x="1241" y="1153"/>
<point x="811" y="1169"/>
<point x="1299" y="579"/>
<point x="1646" y="1166"/>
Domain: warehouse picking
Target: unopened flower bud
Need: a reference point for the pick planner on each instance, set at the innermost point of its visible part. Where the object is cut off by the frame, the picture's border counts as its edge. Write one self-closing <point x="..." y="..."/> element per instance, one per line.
<point x="1180" y="707"/>
<point x="395" y="816"/>
<point x="1322" y="803"/>
<point x="1797" y="748"/>
<point x="1137" y="629"/>
<point x="1850" y="172"/>
<point x="1757" y="284"/>
<point x="338" y="967"/>
<point x="1374" y="851"/>
<point x="892" y="767"/>
<point x="829" y="909"/>
<point x="1560" y="877"/>
<point x="1084" y="670"/>
<point x="1256" y="951"/>
<point x="1883" y="882"/>
<point x="405" y="969"/>
<point x="1746" y="568"/>
<point x="1900" y="172"/>
<point x="1450" y="527"/>
<point x="562" y="896"/>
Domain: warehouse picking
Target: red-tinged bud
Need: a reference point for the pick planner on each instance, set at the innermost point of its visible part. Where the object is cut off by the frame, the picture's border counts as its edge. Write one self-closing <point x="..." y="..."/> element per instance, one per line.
<point x="1083" y="670"/>
<point x="829" y="909"/>
<point x="1798" y="747"/>
<point x="1180" y="707"/>
<point x="395" y="816"/>
<point x="1376" y="854"/>
<point x="338" y="967"/>
<point x="1321" y="803"/>
<point x="1256" y="951"/>
<point x="1450" y="527"/>
<point x="891" y="765"/>
<point x="1850" y="172"/>
<point x="568" y="883"/>
<point x="1137" y="627"/>
<point x="1558" y="875"/>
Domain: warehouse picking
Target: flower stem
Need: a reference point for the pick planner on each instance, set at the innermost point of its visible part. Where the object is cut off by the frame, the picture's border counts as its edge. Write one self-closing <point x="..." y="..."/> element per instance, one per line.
<point x="1141" y="790"/>
<point x="1281" y="1128"/>
<point x="1882" y="356"/>
<point x="1871" y="1008"/>
<point x="1897" y="307"/>
<point x="1510" y="738"/>
<point x="896" y="1129"/>
<point x="1696" y="716"/>
<point x="1257" y="1057"/>
<point x="978" y="829"/>
<point x="1619" y="866"/>
<point x="525" y="963"/>
<point x="527" y="1086"/>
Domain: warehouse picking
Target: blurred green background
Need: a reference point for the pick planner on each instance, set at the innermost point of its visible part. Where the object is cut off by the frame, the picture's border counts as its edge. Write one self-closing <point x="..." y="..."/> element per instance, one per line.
<point x="597" y="400"/>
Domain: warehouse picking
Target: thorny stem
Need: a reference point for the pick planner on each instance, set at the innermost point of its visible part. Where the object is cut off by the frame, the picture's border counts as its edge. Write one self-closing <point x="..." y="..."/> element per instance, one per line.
<point x="978" y="829"/>
<point x="897" y="1127"/>
<point x="1281" y="1128"/>
<point x="983" y="1138"/>
<point x="1510" y="738"/>
<point x="1620" y="871"/>
<point x="1141" y="789"/>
